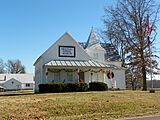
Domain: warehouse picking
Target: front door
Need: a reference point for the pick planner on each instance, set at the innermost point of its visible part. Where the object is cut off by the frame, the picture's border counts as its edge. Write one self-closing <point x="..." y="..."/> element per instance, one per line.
<point x="81" y="77"/>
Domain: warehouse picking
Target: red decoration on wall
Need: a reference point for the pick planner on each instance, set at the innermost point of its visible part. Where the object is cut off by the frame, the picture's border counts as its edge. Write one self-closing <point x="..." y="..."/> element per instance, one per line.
<point x="110" y="74"/>
<point x="46" y="72"/>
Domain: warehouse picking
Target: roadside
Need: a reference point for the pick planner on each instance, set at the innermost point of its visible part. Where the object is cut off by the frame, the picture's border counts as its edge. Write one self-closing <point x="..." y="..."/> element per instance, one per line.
<point x="156" y="117"/>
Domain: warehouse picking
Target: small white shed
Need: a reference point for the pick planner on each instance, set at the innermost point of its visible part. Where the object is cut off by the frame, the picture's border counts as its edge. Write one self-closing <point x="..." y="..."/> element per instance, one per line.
<point x="17" y="81"/>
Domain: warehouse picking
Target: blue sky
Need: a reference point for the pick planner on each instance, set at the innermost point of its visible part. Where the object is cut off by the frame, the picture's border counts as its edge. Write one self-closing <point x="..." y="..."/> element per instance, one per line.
<point x="29" y="27"/>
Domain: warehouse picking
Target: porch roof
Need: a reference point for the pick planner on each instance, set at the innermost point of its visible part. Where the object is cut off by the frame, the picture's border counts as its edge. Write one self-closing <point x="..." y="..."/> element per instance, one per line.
<point x="78" y="63"/>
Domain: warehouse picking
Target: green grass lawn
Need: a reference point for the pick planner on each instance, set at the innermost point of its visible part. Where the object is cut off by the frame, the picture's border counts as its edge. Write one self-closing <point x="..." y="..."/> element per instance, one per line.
<point x="77" y="106"/>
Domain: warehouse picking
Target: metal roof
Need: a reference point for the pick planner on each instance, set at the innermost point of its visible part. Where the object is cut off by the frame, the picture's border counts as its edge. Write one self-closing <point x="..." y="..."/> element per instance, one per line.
<point x="78" y="63"/>
<point x="111" y="53"/>
<point x="23" y="78"/>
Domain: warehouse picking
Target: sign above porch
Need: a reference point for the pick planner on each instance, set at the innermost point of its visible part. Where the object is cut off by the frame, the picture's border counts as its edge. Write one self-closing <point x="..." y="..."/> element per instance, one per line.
<point x="66" y="51"/>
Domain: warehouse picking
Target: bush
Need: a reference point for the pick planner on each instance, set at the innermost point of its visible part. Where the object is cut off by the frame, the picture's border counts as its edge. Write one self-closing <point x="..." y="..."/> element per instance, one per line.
<point x="83" y="87"/>
<point x="72" y="87"/>
<point x="51" y="87"/>
<point x="76" y="87"/>
<point x="62" y="87"/>
<point x="98" y="86"/>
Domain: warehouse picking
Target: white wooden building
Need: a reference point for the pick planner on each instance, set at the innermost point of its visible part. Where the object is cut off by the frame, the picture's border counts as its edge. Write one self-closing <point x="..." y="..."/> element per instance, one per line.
<point x="69" y="61"/>
<point x="17" y="81"/>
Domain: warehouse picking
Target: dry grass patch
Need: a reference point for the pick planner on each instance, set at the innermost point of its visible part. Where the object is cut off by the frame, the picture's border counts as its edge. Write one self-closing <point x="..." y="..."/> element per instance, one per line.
<point x="86" y="105"/>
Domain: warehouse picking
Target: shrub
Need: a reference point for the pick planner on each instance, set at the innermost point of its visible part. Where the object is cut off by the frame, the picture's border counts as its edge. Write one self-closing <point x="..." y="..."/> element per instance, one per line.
<point x="51" y="87"/>
<point x="72" y="87"/>
<point x="76" y="87"/>
<point x="83" y="87"/>
<point x="62" y="87"/>
<point x="98" y="86"/>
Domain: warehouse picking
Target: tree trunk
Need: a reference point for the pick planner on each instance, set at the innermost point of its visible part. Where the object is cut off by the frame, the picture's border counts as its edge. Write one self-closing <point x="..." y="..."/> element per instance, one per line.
<point x="143" y="71"/>
<point x="144" y="78"/>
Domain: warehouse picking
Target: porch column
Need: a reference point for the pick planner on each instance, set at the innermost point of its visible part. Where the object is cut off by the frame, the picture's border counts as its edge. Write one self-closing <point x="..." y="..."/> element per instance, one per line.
<point x="46" y="75"/>
<point x="91" y="76"/>
<point x="78" y="73"/>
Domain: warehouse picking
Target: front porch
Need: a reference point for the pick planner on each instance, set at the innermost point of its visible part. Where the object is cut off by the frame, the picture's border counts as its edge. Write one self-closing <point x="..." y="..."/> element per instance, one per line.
<point x="68" y="75"/>
<point x="67" y="71"/>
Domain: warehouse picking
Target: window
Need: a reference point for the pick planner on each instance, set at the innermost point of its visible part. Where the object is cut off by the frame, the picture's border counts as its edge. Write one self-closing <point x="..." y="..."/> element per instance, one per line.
<point x="27" y="85"/>
<point x="70" y="76"/>
<point x="56" y="76"/>
<point x="95" y="55"/>
<point x="97" y="77"/>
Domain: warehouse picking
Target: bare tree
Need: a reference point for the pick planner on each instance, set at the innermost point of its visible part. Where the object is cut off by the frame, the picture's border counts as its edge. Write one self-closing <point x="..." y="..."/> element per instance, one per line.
<point x="15" y="67"/>
<point x="133" y="78"/>
<point x="1" y="66"/>
<point x="127" y="28"/>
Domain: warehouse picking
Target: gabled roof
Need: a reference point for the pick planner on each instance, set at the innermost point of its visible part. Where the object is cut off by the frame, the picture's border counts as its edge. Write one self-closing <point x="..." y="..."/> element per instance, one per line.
<point x="111" y="53"/>
<point x="23" y="78"/>
<point x="13" y="79"/>
<point x="66" y="33"/>
<point x="92" y="39"/>
<point x="61" y="41"/>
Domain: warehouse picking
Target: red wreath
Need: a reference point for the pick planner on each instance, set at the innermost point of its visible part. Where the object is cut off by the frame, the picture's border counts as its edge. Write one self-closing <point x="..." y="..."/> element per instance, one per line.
<point x="110" y="75"/>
